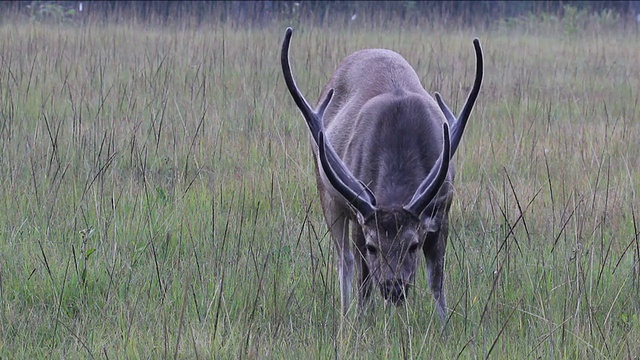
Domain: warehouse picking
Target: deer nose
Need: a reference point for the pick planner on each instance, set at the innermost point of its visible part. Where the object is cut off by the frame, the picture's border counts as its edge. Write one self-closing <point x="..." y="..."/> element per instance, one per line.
<point x="394" y="291"/>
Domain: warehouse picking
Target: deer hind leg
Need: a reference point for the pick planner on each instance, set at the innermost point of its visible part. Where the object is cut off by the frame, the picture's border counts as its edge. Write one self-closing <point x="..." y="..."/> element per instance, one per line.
<point x="434" y="251"/>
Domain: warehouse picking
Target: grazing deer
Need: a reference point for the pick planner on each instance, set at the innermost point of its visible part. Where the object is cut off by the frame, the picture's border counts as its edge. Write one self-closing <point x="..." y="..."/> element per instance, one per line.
<point x="382" y="151"/>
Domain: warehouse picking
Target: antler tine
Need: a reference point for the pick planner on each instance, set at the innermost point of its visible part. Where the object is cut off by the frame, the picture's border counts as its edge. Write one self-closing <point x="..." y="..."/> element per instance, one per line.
<point x="458" y="124"/>
<point x="314" y="119"/>
<point x="445" y="109"/>
<point x="343" y="180"/>
<point x="458" y="127"/>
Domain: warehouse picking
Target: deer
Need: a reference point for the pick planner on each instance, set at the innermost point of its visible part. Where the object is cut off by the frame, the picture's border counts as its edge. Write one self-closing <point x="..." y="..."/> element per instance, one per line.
<point x="382" y="149"/>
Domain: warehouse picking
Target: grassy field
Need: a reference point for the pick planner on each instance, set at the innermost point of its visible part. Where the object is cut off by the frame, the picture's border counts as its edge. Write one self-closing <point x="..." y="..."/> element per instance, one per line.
<point x="157" y="194"/>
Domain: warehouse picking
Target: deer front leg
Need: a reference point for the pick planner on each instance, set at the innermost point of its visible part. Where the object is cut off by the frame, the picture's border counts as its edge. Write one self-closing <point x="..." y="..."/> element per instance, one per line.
<point x="346" y="279"/>
<point x="434" y="250"/>
<point x="340" y="234"/>
<point x="364" y="283"/>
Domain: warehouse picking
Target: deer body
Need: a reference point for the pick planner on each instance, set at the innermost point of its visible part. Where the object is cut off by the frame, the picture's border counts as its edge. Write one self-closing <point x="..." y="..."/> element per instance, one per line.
<point x="377" y="95"/>
<point x="382" y="149"/>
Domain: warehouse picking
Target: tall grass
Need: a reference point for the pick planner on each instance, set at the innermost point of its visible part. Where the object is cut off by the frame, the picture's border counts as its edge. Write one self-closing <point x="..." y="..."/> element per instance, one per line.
<point x="157" y="197"/>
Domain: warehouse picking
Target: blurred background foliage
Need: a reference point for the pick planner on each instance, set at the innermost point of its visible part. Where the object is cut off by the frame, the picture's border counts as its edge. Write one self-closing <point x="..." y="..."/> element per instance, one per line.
<point x="260" y="12"/>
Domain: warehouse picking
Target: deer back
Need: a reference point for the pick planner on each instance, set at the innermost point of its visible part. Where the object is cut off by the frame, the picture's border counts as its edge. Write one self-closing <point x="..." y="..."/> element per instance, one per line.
<point x="381" y="122"/>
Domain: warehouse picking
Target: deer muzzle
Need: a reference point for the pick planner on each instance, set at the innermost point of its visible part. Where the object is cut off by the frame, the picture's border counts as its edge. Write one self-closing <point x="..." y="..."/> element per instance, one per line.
<point x="394" y="291"/>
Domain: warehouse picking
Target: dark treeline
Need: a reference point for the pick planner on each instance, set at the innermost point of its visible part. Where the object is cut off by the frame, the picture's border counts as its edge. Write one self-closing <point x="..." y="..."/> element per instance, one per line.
<point x="263" y="11"/>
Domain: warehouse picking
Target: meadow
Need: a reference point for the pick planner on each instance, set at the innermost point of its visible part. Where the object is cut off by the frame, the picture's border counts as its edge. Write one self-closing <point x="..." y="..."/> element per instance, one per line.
<point x="158" y="200"/>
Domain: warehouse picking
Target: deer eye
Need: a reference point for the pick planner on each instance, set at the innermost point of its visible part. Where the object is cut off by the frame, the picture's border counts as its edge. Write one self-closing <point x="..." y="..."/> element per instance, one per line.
<point x="371" y="249"/>
<point x="413" y="248"/>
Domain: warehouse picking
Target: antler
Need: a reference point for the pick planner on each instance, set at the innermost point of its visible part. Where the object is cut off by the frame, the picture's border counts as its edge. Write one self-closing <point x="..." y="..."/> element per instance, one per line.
<point x="458" y="124"/>
<point x="432" y="183"/>
<point x="362" y="199"/>
<point x="352" y="189"/>
<point x="313" y="118"/>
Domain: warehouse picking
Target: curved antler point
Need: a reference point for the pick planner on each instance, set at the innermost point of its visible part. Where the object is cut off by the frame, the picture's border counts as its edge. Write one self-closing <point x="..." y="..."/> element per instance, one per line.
<point x="476" y="45"/>
<point x="287" y="34"/>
